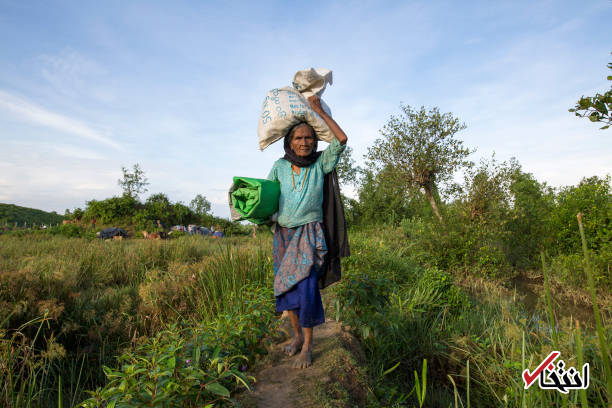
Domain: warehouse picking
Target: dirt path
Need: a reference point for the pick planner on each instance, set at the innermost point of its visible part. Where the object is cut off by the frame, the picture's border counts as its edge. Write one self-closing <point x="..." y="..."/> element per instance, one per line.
<point x="335" y="378"/>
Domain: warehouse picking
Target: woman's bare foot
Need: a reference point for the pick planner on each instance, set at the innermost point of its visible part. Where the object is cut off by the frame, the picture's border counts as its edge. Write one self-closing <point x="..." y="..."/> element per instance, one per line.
<point x="304" y="359"/>
<point x="292" y="348"/>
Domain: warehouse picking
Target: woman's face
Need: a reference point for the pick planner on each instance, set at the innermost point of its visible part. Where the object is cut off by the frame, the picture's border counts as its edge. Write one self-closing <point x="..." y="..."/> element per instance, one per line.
<point x="302" y="141"/>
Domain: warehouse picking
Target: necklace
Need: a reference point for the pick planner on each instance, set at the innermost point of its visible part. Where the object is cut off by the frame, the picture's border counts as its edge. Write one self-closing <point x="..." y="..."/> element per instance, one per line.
<point x="303" y="181"/>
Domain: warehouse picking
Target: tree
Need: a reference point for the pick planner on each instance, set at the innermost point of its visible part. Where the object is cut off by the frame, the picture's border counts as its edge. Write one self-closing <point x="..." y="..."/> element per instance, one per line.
<point x="77" y="214"/>
<point x="159" y="207"/>
<point x="382" y="200"/>
<point x="114" y="209"/>
<point x="346" y="168"/>
<point x="133" y="183"/>
<point x="181" y="213"/>
<point x="486" y="192"/>
<point x="419" y="150"/>
<point x="200" y="206"/>
<point x="529" y="226"/>
<point x="593" y="198"/>
<point x="597" y="108"/>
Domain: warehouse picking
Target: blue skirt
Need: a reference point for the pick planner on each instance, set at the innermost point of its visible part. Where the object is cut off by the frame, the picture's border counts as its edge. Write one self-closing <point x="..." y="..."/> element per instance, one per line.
<point x="305" y="300"/>
<point x="298" y="258"/>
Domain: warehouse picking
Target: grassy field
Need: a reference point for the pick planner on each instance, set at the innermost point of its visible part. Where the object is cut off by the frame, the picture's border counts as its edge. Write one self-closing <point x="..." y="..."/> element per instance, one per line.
<point x="476" y="348"/>
<point x="68" y="306"/>
<point x="178" y="322"/>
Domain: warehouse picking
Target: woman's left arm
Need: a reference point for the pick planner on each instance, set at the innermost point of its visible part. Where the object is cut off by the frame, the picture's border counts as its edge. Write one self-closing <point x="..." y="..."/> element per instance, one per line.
<point x="315" y="103"/>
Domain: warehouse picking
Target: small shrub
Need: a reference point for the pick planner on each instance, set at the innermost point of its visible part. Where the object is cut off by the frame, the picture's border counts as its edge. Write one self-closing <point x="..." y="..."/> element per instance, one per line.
<point x="194" y="365"/>
<point x="451" y="296"/>
<point x="364" y="293"/>
<point x="570" y="268"/>
<point x="67" y="230"/>
<point x="174" y="369"/>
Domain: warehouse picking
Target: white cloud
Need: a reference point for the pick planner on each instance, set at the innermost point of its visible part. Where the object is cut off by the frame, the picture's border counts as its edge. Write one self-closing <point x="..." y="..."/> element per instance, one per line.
<point x="77" y="152"/>
<point x="52" y="185"/>
<point x="33" y="113"/>
<point x="72" y="74"/>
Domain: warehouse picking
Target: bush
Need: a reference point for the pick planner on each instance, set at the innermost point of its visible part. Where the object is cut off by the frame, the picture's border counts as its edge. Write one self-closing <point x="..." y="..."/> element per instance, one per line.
<point x="174" y="369"/>
<point x="504" y="219"/>
<point x="112" y="209"/>
<point x="569" y="267"/>
<point x="192" y="366"/>
<point x="364" y="294"/>
<point x="458" y="244"/>
<point x="67" y="230"/>
<point x="450" y="296"/>
<point x="235" y="228"/>
<point x="593" y="198"/>
<point x="528" y="224"/>
<point x="395" y="307"/>
<point x="474" y="234"/>
<point x="383" y="201"/>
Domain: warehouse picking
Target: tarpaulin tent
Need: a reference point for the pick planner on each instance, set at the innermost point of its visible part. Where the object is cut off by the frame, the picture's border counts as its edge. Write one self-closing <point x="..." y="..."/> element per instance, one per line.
<point x="111" y="232"/>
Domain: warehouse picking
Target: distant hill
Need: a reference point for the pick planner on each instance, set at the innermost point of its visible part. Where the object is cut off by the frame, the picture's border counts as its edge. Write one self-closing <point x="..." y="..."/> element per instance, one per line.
<point x="11" y="213"/>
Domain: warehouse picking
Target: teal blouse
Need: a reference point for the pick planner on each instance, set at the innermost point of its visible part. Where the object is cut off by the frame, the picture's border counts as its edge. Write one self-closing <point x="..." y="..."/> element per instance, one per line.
<point x="301" y="196"/>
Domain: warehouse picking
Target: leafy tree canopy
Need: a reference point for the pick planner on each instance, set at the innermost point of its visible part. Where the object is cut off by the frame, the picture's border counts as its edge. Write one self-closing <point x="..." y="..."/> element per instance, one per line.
<point x="347" y="169"/>
<point x="133" y="182"/>
<point x="486" y="189"/>
<point x="419" y="149"/>
<point x="382" y="200"/>
<point x="200" y="205"/>
<point x="597" y="108"/>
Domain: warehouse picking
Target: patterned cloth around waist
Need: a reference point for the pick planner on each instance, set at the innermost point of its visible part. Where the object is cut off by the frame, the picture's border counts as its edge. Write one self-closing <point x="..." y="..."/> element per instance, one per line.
<point x="296" y="251"/>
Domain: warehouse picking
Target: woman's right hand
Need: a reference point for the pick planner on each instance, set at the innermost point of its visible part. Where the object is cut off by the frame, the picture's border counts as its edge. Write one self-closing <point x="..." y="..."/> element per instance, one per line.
<point x="315" y="104"/>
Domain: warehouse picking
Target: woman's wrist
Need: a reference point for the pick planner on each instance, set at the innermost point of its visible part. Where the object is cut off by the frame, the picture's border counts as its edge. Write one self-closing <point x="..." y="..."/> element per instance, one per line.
<point x="320" y="112"/>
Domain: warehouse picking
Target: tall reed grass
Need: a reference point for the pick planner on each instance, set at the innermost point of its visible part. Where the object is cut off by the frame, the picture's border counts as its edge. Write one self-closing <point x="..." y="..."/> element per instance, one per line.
<point x="70" y="306"/>
<point x="603" y="342"/>
<point x="99" y="298"/>
<point x="476" y="350"/>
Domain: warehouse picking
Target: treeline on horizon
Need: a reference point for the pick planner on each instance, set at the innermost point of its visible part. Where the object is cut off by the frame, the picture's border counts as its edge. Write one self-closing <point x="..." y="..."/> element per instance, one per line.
<point x="155" y="213"/>
<point x="11" y="214"/>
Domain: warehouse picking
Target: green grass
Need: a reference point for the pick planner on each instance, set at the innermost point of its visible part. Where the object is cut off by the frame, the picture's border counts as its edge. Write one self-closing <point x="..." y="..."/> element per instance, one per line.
<point x="70" y="306"/>
<point x="603" y="343"/>
<point x="476" y="350"/>
<point x="100" y="298"/>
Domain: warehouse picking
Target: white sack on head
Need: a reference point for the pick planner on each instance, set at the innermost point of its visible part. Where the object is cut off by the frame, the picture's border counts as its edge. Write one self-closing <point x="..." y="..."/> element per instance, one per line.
<point x="285" y="107"/>
<point x="312" y="81"/>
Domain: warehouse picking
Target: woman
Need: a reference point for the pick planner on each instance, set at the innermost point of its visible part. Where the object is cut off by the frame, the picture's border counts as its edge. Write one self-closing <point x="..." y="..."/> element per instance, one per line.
<point x="299" y="240"/>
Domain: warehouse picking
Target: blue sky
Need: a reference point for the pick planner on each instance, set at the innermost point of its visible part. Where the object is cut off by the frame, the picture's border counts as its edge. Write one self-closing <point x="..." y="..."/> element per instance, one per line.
<point x="86" y="88"/>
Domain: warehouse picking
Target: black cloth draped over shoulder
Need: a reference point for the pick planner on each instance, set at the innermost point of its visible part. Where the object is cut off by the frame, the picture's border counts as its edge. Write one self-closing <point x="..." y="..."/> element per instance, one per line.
<point x="334" y="222"/>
